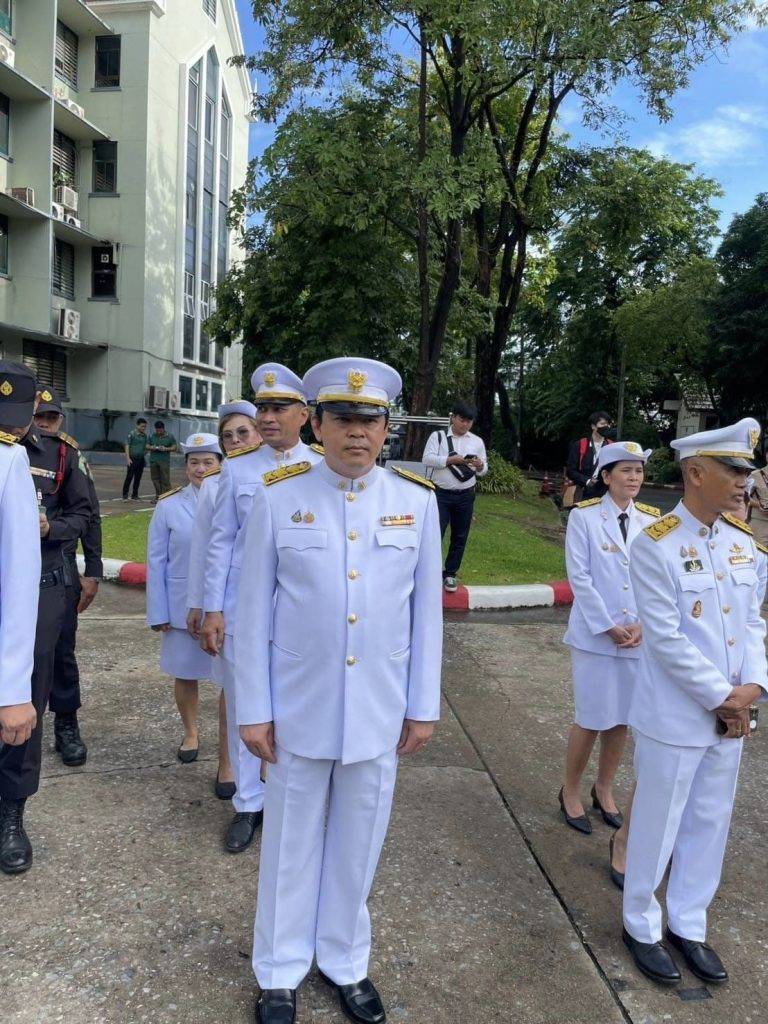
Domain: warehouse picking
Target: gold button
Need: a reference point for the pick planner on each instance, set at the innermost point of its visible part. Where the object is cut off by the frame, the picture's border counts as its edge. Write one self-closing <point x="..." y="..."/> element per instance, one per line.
<point x="352" y="534"/>
<point x="731" y="641"/>
<point x="352" y="619"/>
<point x="341" y="485"/>
<point x="349" y="496"/>
<point x="351" y="660"/>
<point x="726" y="608"/>
<point x="703" y="531"/>
<point x="361" y="485"/>
<point x="353" y="574"/>
<point x="718" y="575"/>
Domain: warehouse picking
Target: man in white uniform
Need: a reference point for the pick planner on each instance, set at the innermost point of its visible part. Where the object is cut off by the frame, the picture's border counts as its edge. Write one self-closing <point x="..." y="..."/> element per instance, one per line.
<point x="281" y="412"/>
<point x="702" y="664"/>
<point x="338" y="646"/>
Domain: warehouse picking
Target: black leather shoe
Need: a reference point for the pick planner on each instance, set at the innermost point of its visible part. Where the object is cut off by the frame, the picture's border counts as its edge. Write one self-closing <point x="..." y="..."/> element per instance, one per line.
<point x="187" y="756"/>
<point x="359" y="1001"/>
<point x="581" y="824"/>
<point x="652" y="959"/>
<point x="615" y="819"/>
<point x="224" y="790"/>
<point x="276" y="1006"/>
<point x="617" y="877"/>
<point x="241" y="830"/>
<point x="701" y="959"/>
<point x="15" y="847"/>
<point x="68" y="742"/>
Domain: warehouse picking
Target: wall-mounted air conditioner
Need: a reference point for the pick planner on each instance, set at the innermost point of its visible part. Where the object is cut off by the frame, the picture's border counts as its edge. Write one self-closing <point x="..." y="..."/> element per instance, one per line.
<point x="7" y="54"/>
<point x="69" y="324"/>
<point x="23" y="193"/>
<point x="69" y="219"/>
<point x="158" y="397"/>
<point x="67" y="196"/>
<point x="174" y="401"/>
<point x="74" y="107"/>
<point x="60" y="93"/>
<point x="57" y="210"/>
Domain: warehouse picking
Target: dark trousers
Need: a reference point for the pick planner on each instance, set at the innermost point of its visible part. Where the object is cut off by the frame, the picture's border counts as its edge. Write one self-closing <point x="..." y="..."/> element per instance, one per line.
<point x="65" y="690"/>
<point x="133" y="475"/>
<point x="455" y="508"/>
<point x="161" y="477"/>
<point x="20" y="766"/>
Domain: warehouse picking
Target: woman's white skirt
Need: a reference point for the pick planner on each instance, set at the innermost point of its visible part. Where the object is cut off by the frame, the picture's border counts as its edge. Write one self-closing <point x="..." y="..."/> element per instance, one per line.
<point x="602" y="689"/>
<point x="181" y="656"/>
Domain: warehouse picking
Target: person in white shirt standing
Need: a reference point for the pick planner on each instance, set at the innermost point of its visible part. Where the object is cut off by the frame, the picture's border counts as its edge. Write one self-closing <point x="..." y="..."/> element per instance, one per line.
<point x="456" y="457"/>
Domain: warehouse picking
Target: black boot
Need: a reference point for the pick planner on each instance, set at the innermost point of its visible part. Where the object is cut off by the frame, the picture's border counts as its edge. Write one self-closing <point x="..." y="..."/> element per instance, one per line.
<point x="68" y="742"/>
<point x="15" y="847"/>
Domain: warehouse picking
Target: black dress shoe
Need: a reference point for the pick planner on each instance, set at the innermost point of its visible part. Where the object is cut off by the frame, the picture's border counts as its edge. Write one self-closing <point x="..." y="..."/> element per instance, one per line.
<point x="224" y="790"/>
<point x="15" y="847"/>
<point x="701" y="959"/>
<point x="615" y="819"/>
<point x="617" y="877"/>
<point x="360" y="1001"/>
<point x="187" y="756"/>
<point x="276" y="1006"/>
<point x="652" y="959"/>
<point x="241" y="830"/>
<point x="581" y="824"/>
<point x="68" y="741"/>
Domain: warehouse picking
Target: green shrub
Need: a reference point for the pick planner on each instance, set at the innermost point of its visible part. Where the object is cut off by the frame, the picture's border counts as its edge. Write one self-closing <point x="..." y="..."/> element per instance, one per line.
<point x="502" y="477"/>
<point x="670" y="473"/>
<point x="656" y="464"/>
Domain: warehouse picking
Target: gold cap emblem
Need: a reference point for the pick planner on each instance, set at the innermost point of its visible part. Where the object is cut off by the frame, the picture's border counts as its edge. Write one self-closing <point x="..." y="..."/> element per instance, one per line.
<point x="356" y="380"/>
<point x="46" y="396"/>
<point x="754" y="437"/>
<point x="632" y="448"/>
<point x="198" y="441"/>
<point x="270" y="378"/>
<point x="6" y="388"/>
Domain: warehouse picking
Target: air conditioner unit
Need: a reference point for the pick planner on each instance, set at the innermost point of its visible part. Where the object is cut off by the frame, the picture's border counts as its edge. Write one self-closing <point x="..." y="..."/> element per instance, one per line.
<point x="7" y="54"/>
<point x="24" y="194"/>
<point x="69" y="219"/>
<point x="74" y="107"/>
<point x="60" y="93"/>
<point x="158" y="397"/>
<point x="57" y="210"/>
<point x="67" y="196"/>
<point x="174" y="401"/>
<point x="69" y="324"/>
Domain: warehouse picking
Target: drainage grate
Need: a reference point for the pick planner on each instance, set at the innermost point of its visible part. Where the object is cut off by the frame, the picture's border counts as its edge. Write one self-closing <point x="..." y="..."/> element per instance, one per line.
<point x="694" y="995"/>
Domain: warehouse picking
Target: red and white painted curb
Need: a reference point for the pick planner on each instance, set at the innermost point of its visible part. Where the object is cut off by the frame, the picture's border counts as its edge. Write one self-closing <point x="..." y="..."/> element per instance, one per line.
<point x="525" y="595"/>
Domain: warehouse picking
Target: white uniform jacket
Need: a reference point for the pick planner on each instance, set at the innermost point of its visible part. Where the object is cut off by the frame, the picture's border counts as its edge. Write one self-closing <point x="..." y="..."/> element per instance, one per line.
<point x="19" y="574"/>
<point x="351" y="602"/>
<point x="597" y="560"/>
<point x="240" y="476"/>
<point x="697" y="597"/>
<point x="168" y="546"/>
<point x="201" y="536"/>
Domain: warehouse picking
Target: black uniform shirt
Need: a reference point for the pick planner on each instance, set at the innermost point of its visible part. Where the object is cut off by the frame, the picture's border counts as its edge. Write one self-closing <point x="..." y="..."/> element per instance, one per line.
<point x="67" y="502"/>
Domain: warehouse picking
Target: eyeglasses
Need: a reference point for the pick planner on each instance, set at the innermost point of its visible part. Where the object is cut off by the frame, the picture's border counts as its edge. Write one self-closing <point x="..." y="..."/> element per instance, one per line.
<point x="241" y="434"/>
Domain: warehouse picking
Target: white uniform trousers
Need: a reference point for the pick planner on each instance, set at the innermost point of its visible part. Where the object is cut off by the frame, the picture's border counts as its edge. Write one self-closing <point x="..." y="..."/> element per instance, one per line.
<point x="324" y="827"/>
<point x="249" y="795"/>
<point x="682" y="809"/>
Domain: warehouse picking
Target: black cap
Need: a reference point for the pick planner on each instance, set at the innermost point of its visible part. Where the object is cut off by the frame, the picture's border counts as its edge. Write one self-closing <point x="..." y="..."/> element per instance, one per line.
<point x="18" y="388"/>
<point x="368" y="412"/>
<point x="49" y="400"/>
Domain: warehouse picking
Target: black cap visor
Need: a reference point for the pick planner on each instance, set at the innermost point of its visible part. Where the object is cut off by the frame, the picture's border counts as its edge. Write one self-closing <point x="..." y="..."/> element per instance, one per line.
<point x="368" y="412"/>
<point x="16" y="414"/>
<point x="736" y="462"/>
<point x="276" y="401"/>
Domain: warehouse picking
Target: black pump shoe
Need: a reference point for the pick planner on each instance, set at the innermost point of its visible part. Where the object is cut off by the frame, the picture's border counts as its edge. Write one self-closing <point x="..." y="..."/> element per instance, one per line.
<point x="581" y="824"/>
<point x="617" y="877"/>
<point x="187" y="756"/>
<point x="276" y="1006"/>
<point x="224" y="790"/>
<point x="652" y="959"/>
<point x="15" y="847"/>
<point x="360" y="1001"/>
<point x="613" y="818"/>
<point x="702" y="960"/>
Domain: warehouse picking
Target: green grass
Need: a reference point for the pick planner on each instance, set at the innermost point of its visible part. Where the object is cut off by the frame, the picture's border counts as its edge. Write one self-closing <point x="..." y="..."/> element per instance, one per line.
<point x="511" y="541"/>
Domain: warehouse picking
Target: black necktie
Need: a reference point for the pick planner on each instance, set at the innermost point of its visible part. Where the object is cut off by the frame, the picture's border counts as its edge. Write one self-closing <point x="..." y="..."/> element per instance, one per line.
<point x="623" y="517"/>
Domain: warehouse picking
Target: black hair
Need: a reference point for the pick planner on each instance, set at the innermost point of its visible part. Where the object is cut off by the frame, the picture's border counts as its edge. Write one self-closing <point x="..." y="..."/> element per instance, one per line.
<point x="601" y="414"/>
<point x="464" y="409"/>
<point x="140" y="420"/>
<point x="318" y="412"/>
<point x="159" y="423"/>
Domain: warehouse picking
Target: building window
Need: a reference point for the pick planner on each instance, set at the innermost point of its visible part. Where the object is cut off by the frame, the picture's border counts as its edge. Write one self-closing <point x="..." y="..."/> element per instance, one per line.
<point x="6" y="16"/>
<point x="205" y="347"/>
<point x="216" y="396"/>
<point x="185" y="392"/>
<point x="5" y="124"/>
<point x="201" y="395"/>
<point x="3" y="245"/>
<point x="222" y="241"/>
<point x="104" y="273"/>
<point x="66" y="54"/>
<point x="107" y="62"/>
<point x="64" y="160"/>
<point x="63" y="269"/>
<point x="209" y="6"/>
<point x="218" y="356"/>
<point x="48" y="363"/>
<point x="189" y="337"/>
<point x="105" y="167"/>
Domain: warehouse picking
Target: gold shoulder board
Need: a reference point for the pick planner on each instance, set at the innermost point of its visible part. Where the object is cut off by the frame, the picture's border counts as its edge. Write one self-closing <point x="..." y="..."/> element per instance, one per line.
<point x="7" y="438"/>
<point x="318" y="448"/>
<point x="761" y="547"/>
<point x="285" y="472"/>
<point x="738" y="523"/>
<point x="244" y="451"/>
<point x="588" y="503"/>
<point x="67" y="439"/>
<point x="662" y="527"/>
<point x="406" y="474"/>
<point x="650" y="510"/>
<point x="167" y="494"/>
<point x="212" y="472"/>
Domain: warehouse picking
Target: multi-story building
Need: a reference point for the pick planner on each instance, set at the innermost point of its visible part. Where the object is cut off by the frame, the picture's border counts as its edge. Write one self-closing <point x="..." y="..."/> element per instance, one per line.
<point x="123" y="130"/>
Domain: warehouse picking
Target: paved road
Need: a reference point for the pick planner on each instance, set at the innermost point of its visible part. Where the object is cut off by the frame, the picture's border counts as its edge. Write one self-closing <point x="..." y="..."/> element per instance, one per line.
<point x="486" y="908"/>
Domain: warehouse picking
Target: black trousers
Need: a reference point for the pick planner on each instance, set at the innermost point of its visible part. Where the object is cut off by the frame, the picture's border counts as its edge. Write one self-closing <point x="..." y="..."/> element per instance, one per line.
<point x="455" y="508"/>
<point x="65" y="689"/>
<point x="20" y="766"/>
<point x="133" y="474"/>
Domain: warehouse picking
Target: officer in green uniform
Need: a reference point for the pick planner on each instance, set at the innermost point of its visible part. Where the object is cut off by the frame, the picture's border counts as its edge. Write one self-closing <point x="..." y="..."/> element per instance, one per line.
<point x="160" y="446"/>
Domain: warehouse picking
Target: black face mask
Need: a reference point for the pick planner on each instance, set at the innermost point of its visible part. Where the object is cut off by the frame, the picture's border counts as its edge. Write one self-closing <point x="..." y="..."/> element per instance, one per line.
<point x="609" y="433"/>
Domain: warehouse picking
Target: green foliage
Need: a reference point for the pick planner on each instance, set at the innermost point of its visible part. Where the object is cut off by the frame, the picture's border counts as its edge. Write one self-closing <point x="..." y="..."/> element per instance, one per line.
<point x="502" y="477"/>
<point x="662" y="468"/>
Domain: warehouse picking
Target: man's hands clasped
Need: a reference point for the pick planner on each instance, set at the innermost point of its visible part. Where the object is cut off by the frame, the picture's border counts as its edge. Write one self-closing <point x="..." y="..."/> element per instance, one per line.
<point x="627" y="636"/>
<point x="734" y="711"/>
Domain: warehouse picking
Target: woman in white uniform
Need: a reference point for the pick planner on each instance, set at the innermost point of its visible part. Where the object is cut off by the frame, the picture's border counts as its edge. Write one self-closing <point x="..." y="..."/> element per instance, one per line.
<point x="237" y="429"/>
<point x="168" y="551"/>
<point x="603" y="630"/>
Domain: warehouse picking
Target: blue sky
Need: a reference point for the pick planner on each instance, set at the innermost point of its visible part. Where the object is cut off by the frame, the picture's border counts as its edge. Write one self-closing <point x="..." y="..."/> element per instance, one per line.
<point x="719" y="123"/>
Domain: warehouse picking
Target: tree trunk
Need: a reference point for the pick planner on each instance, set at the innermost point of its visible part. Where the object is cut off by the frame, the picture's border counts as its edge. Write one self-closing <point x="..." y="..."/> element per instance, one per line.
<point x="505" y="415"/>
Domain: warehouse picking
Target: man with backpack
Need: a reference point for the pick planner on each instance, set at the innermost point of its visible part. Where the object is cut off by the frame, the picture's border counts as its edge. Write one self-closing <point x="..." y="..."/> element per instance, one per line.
<point x="456" y="457"/>
<point x="582" y="459"/>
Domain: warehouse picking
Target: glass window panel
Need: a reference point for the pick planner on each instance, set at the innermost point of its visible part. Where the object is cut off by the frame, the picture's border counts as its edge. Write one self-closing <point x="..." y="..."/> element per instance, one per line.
<point x="64" y="160"/>
<point x="48" y="363"/>
<point x="193" y="97"/>
<point x="209" y="6"/>
<point x="6" y="16"/>
<point x="185" y="392"/>
<point x="63" y="269"/>
<point x="201" y="395"/>
<point x="105" y="167"/>
<point x="107" y="61"/>
<point x="5" y="124"/>
<point x="216" y="396"/>
<point x="104" y="283"/>
<point x="218" y="356"/>
<point x="3" y="245"/>
<point x="66" y="54"/>
<point x="189" y="337"/>
<point x="205" y="347"/>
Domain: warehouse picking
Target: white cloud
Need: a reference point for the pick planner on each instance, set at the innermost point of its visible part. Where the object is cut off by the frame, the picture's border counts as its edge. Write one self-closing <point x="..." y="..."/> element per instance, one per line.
<point x="732" y="133"/>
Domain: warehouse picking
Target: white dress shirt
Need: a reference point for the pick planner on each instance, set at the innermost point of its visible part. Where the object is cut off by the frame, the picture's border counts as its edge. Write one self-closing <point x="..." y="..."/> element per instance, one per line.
<point x="436" y="456"/>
